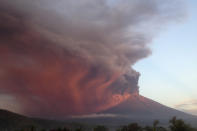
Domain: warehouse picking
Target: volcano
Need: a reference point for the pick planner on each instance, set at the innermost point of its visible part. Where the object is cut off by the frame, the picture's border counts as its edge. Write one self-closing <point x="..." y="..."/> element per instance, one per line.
<point x="137" y="106"/>
<point x="68" y="58"/>
<point x="139" y="109"/>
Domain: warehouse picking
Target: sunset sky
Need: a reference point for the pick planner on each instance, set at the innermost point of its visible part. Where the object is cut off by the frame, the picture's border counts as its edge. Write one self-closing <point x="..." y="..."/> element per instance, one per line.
<point x="169" y="75"/>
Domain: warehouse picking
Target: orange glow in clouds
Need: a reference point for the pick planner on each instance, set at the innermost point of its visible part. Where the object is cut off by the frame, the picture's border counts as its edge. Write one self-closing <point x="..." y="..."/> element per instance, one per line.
<point x="49" y="80"/>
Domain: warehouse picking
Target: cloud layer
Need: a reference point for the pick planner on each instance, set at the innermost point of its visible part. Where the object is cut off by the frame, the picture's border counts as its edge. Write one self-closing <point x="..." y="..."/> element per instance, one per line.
<point x="70" y="57"/>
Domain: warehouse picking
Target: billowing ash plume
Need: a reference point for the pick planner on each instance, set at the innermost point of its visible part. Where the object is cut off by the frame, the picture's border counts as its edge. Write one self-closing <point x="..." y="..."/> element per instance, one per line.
<point x="71" y="57"/>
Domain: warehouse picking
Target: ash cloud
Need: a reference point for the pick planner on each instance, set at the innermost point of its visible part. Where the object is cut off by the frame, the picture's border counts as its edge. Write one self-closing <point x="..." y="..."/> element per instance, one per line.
<point x="70" y="57"/>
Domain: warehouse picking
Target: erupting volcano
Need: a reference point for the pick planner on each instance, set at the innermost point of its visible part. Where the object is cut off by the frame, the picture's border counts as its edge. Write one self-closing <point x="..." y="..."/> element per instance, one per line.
<point x="67" y="57"/>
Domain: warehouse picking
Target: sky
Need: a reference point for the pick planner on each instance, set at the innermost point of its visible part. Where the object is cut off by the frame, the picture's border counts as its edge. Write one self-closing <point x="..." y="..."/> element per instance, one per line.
<point x="169" y="75"/>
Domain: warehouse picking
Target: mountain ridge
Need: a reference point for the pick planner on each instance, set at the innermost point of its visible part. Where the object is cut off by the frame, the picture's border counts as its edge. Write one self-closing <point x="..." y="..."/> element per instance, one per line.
<point x="140" y="105"/>
<point x="10" y="121"/>
<point x="135" y="109"/>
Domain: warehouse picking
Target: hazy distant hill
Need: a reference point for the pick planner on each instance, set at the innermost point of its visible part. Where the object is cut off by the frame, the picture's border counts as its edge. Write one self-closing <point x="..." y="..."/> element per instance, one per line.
<point x="10" y="121"/>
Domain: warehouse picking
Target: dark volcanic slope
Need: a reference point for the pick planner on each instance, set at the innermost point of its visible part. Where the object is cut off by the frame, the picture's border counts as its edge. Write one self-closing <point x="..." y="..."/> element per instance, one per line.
<point x="139" y="106"/>
<point x="136" y="109"/>
<point x="10" y="121"/>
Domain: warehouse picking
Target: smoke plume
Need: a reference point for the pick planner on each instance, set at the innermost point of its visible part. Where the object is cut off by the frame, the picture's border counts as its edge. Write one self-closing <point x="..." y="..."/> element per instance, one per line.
<point x="71" y="57"/>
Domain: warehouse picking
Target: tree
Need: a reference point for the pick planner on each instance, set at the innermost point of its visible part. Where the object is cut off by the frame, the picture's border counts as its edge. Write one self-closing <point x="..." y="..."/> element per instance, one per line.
<point x="134" y="127"/>
<point x="33" y="128"/>
<point x="65" y="129"/>
<point x="148" y="128"/>
<point x="123" y="128"/>
<point x="131" y="127"/>
<point x="100" y="128"/>
<point x="161" y="129"/>
<point x="155" y="123"/>
<point x="179" y="125"/>
<point x="79" y="129"/>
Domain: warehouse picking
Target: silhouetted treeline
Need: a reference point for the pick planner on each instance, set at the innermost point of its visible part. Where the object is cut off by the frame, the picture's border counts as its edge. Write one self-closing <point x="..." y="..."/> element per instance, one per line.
<point x="174" y="125"/>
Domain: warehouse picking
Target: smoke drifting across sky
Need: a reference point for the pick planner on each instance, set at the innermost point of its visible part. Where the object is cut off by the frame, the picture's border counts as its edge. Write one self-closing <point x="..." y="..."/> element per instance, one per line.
<point x="71" y="57"/>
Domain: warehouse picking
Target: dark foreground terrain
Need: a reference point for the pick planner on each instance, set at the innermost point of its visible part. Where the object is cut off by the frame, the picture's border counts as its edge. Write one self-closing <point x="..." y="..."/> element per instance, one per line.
<point x="14" y="122"/>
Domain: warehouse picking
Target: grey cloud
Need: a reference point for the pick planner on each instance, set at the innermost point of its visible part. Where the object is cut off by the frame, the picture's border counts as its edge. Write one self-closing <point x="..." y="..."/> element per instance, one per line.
<point x="42" y="42"/>
<point x="110" y="34"/>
